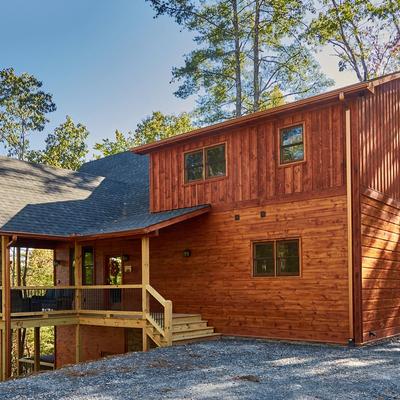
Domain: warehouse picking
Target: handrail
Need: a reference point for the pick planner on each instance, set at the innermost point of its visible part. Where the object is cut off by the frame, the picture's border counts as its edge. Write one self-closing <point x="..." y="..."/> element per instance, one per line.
<point x="166" y="329"/>
<point x="77" y="287"/>
<point x="156" y="295"/>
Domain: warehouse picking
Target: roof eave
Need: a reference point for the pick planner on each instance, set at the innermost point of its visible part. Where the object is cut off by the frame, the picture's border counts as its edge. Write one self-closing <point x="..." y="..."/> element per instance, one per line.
<point x="108" y="235"/>
<point x="334" y="95"/>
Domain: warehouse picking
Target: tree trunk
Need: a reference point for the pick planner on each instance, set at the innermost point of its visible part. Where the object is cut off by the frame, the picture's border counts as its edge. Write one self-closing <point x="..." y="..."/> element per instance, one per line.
<point x="256" y="57"/>
<point x="238" y="67"/>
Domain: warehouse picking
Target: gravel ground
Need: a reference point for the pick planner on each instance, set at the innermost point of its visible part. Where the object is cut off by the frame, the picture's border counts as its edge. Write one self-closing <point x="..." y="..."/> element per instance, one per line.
<point x="225" y="369"/>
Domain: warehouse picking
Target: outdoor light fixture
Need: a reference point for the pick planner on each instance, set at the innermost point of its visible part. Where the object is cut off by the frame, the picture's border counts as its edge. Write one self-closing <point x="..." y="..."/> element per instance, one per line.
<point x="56" y="263"/>
<point x="187" y="253"/>
<point x="263" y="214"/>
<point x="125" y="257"/>
<point x="237" y="217"/>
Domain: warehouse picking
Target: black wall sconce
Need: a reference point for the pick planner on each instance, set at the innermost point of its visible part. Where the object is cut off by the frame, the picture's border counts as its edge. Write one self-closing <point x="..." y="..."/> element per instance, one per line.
<point x="237" y="217"/>
<point x="263" y="214"/>
<point x="125" y="257"/>
<point x="187" y="253"/>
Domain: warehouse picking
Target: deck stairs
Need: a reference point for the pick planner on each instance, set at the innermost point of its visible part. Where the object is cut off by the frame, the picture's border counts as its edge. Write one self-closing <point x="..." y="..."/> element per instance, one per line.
<point x="186" y="328"/>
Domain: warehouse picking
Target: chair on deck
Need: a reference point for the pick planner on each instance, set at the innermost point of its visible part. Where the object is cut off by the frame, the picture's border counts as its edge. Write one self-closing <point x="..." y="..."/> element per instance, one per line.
<point x="54" y="299"/>
<point x="19" y="303"/>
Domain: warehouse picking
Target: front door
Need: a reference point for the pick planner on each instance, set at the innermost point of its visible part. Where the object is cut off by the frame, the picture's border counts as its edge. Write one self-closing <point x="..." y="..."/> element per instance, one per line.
<point x="113" y="276"/>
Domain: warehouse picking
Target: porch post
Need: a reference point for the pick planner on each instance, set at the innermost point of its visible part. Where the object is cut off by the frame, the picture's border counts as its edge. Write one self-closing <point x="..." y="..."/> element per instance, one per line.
<point x="20" y="349"/>
<point x="145" y="282"/>
<point x="36" y="355"/>
<point x="6" y="343"/>
<point x="78" y="284"/>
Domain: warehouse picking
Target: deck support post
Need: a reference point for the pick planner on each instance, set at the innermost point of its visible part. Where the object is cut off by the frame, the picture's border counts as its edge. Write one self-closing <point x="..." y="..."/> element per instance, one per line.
<point x="145" y="282"/>
<point x="6" y="342"/>
<point x="20" y="350"/>
<point x="78" y="294"/>
<point x="36" y="355"/>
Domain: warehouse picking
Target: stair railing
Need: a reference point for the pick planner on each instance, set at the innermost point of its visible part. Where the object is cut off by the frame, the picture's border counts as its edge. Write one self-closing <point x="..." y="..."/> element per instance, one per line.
<point x="159" y="314"/>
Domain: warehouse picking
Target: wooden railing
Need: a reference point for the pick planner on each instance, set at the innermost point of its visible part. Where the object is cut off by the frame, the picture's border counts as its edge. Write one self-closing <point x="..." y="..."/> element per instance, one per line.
<point x="159" y="315"/>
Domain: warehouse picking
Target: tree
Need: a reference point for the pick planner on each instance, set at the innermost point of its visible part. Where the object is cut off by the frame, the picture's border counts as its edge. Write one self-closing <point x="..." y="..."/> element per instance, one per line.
<point x="364" y="34"/>
<point x="246" y="50"/>
<point x="65" y="148"/>
<point x="23" y="109"/>
<point x="155" y="127"/>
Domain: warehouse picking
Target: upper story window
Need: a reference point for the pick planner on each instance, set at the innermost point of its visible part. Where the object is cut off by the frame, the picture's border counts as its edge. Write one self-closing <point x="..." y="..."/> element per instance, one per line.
<point x="276" y="258"/>
<point x="207" y="163"/>
<point x="291" y="140"/>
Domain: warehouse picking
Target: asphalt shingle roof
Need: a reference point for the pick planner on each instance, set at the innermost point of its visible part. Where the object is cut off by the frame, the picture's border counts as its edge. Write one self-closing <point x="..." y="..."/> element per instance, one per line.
<point x="109" y="195"/>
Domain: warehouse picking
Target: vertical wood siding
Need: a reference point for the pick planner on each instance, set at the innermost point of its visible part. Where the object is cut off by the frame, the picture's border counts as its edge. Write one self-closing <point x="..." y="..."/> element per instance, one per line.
<point x="378" y="121"/>
<point x="253" y="172"/>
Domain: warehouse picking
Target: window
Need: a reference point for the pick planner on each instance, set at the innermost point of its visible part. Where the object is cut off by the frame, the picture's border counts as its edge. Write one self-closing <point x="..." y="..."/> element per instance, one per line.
<point x="194" y="166"/>
<point x="206" y="163"/>
<point x="291" y="144"/>
<point x="276" y="258"/>
<point x="215" y="161"/>
<point x="72" y="266"/>
<point x="87" y="266"/>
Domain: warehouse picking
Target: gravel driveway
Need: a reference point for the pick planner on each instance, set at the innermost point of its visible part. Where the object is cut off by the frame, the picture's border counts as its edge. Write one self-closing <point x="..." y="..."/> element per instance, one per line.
<point x="225" y="369"/>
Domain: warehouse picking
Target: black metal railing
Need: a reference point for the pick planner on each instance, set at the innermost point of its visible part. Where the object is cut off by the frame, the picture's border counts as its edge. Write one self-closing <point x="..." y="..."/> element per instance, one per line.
<point x="42" y="300"/>
<point x="111" y="299"/>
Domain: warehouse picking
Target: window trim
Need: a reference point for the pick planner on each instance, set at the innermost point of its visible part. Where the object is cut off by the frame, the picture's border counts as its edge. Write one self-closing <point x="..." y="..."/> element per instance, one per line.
<point x="280" y="129"/>
<point x="275" y="240"/>
<point x="204" y="174"/>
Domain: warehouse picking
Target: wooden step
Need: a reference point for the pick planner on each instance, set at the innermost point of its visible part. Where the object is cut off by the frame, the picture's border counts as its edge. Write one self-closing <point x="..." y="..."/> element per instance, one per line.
<point x="185" y="318"/>
<point x="179" y="327"/>
<point x="195" y="338"/>
<point x="189" y="333"/>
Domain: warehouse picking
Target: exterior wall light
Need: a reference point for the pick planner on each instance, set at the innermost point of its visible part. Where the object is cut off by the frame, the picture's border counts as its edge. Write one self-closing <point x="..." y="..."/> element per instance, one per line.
<point x="187" y="253"/>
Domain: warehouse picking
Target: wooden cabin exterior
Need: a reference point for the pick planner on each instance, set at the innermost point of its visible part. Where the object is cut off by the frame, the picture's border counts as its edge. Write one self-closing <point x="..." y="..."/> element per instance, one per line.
<point x="292" y="233"/>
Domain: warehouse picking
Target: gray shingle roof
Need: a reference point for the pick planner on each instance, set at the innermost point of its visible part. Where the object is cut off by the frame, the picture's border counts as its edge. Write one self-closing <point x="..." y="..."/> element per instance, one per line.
<point x="109" y="195"/>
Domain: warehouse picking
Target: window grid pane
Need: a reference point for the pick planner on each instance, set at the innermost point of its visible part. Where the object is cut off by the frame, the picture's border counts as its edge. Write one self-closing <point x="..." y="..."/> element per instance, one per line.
<point x="264" y="259"/>
<point x="194" y="166"/>
<point x="215" y="158"/>
<point x="287" y="258"/>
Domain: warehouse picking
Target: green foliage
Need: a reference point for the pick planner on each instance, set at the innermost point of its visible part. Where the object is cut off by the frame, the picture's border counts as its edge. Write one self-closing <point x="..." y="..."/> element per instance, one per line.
<point x="246" y="51"/>
<point x="365" y="34"/>
<point x="23" y="109"/>
<point x="155" y="127"/>
<point x="65" y="148"/>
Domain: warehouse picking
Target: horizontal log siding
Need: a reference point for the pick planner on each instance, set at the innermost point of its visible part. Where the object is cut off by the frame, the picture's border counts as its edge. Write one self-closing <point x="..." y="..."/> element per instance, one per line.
<point x="217" y="281"/>
<point x="380" y="233"/>
<point x="253" y="172"/>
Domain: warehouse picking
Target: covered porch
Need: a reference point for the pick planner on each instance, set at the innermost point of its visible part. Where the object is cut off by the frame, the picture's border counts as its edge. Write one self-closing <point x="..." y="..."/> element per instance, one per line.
<point x="76" y="300"/>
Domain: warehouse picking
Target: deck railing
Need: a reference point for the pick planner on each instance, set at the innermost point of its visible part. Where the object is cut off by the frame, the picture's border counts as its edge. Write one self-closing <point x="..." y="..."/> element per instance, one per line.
<point x="98" y="299"/>
<point x="33" y="300"/>
<point x="114" y="299"/>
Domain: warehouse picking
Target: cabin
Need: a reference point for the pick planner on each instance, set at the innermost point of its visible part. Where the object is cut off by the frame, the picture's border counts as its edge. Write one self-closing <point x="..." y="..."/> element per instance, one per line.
<point x="283" y="224"/>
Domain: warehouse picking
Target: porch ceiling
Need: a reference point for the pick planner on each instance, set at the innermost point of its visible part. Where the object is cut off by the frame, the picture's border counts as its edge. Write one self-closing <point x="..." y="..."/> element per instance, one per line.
<point x="109" y="196"/>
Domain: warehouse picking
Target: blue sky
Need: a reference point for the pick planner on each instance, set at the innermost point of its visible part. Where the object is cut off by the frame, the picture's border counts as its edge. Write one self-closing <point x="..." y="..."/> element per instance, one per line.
<point x="106" y="62"/>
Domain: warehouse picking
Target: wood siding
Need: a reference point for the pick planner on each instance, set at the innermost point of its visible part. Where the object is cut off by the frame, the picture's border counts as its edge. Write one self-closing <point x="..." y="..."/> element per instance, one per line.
<point x="376" y="137"/>
<point x="217" y="280"/>
<point x="253" y="172"/>
<point x="380" y="230"/>
<point x="377" y="119"/>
